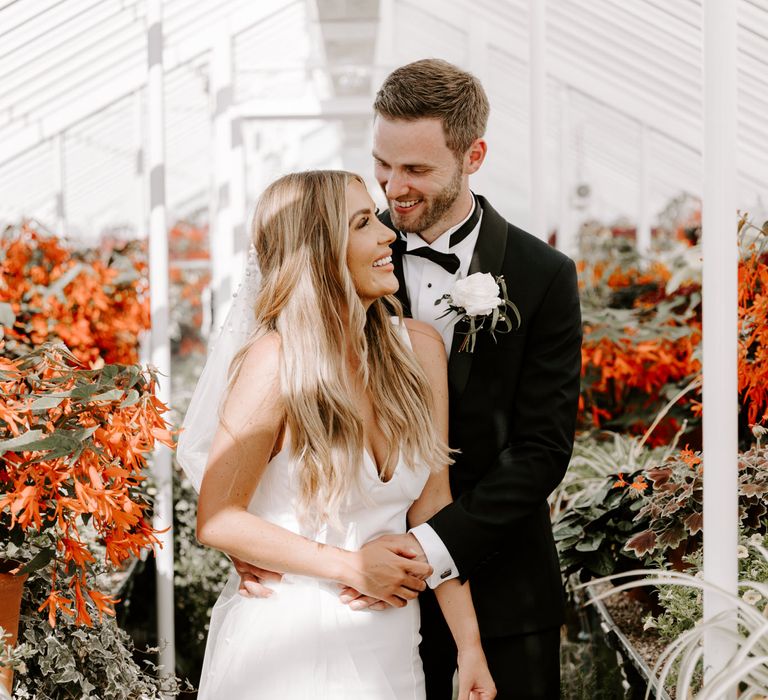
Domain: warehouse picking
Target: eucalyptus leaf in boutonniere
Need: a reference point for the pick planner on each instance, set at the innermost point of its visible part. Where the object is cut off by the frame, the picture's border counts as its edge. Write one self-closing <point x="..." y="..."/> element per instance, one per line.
<point x="481" y="300"/>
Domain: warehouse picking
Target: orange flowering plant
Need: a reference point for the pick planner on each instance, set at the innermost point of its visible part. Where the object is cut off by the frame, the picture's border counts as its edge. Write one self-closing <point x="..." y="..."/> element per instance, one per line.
<point x="73" y="452"/>
<point x="642" y="375"/>
<point x="642" y="329"/>
<point x="642" y="336"/>
<point x="96" y="304"/>
<point x="753" y="322"/>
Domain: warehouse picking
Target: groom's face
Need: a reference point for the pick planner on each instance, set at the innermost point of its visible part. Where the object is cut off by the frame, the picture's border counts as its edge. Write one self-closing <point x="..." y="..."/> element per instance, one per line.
<point x="421" y="177"/>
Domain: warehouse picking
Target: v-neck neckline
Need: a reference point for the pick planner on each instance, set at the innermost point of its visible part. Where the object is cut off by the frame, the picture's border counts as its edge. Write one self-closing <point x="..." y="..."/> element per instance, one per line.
<point x="375" y="466"/>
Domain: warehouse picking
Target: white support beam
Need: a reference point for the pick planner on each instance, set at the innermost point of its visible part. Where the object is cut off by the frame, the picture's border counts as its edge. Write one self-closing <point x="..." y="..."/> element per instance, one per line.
<point x="719" y="294"/>
<point x="60" y="173"/>
<point x="222" y="236"/>
<point x="139" y="180"/>
<point x="537" y="116"/>
<point x="566" y="234"/>
<point x="305" y="108"/>
<point x="643" y="230"/>
<point x="239" y="201"/>
<point x="160" y="342"/>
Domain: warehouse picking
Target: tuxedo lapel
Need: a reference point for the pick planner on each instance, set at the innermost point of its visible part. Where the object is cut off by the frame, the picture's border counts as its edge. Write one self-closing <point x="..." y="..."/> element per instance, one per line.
<point x="488" y="256"/>
<point x="397" y="260"/>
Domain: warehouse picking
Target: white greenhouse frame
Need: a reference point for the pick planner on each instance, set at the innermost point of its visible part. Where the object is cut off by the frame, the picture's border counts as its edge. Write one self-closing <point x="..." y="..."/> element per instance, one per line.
<point x="137" y="112"/>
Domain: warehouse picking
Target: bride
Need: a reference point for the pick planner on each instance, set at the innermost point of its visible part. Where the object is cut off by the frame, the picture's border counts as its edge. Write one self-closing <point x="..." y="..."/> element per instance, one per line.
<point x="332" y="432"/>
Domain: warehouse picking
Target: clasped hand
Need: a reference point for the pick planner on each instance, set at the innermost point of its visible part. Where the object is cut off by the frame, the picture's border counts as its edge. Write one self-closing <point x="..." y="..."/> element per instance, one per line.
<point x="388" y="571"/>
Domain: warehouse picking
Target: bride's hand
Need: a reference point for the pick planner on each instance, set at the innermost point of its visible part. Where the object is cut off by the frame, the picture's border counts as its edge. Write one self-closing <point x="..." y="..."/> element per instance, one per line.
<point x="475" y="682"/>
<point x="253" y="578"/>
<point x="387" y="572"/>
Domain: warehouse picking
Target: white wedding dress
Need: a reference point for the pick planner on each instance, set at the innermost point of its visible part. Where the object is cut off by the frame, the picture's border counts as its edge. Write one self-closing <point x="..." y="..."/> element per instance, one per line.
<point x="302" y="643"/>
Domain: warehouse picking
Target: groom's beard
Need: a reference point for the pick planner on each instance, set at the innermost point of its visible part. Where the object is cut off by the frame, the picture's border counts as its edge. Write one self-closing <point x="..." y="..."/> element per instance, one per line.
<point x="436" y="207"/>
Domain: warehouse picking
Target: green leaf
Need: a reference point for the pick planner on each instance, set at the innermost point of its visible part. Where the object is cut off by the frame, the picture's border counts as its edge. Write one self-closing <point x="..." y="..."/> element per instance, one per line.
<point x="590" y="544"/>
<point x="601" y="562"/>
<point x="21" y="442"/>
<point x="41" y="559"/>
<point x="17" y="536"/>
<point x="84" y="392"/>
<point x="46" y="402"/>
<point x="561" y="532"/>
<point x="111" y="395"/>
<point x="131" y="398"/>
<point x="110" y="371"/>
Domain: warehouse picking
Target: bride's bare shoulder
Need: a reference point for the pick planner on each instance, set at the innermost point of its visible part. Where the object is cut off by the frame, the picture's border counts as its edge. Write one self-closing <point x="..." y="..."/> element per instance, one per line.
<point x="263" y="353"/>
<point x="427" y="342"/>
<point x="258" y="377"/>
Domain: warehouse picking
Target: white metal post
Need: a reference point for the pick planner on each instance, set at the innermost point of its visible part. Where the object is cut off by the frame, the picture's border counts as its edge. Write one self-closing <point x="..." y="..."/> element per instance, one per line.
<point x="720" y="323"/>
<point x="643" y="231"/>
<point x="566" y="239"/>
<point x="222" y="234"/>
<point x="537" y="81"/>
<point x="160" y="344"/>
<point x="140" y="182"/>
<point x="60" y="173"/>
<point x="239" y="200"/>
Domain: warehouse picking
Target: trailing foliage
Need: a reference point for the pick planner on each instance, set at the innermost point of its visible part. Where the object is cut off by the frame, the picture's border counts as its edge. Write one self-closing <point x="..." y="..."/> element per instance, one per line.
<point x="592" y="534"/>
<point x="74" y="444"/>
<point x="674" y="510"/>
<point x="72" y="661"/>
<point x="651" y="515"/>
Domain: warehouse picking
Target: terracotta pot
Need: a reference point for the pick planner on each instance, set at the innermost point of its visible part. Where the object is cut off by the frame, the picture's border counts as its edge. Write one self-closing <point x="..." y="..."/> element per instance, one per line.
<point x="11" y="588"/>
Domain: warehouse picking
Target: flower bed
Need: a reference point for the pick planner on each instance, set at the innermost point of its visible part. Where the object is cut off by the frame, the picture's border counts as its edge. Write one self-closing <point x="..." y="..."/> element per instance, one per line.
<point x="632" y="498"/>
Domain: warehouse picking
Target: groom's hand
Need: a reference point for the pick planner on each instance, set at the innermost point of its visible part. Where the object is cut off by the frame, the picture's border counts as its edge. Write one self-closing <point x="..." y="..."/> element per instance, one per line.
<point x="406" y="544"/>
<point x="253" y="578"/>
<point x="376" y="557"/>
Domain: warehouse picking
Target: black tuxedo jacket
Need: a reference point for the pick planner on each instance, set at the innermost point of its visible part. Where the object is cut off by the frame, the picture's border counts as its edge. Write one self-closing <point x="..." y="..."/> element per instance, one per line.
<point x="512" y="417"/>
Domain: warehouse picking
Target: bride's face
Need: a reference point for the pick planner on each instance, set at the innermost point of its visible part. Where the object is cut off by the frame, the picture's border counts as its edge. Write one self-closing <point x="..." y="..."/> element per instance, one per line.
<point x="369" y="256"/>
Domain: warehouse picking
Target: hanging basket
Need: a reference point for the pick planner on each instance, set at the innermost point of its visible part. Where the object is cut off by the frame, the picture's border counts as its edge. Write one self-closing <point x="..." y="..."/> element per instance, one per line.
<point x="11" y="589"/>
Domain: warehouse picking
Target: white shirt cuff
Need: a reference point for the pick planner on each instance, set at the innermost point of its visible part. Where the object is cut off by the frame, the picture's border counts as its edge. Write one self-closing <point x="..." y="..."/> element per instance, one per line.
<point x="437" y="555"/>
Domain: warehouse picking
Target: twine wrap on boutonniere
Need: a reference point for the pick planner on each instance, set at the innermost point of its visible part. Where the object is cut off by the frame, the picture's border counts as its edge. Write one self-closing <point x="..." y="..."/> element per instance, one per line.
<point x="481" y="300"/>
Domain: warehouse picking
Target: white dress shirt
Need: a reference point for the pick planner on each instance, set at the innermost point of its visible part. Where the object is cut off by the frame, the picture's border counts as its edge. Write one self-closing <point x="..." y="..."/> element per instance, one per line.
<point x="426" y="282"/>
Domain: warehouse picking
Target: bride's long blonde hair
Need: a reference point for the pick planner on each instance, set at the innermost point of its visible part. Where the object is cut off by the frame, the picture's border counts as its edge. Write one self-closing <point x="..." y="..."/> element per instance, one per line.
<point x="300" y="233"/>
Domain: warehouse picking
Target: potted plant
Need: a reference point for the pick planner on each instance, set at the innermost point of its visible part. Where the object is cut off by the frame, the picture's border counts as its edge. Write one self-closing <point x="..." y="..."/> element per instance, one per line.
<point x="74" y="444"/>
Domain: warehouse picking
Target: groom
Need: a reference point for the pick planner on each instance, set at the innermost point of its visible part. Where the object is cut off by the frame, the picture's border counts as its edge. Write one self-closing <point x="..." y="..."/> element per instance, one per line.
<point x="512" y="400"/>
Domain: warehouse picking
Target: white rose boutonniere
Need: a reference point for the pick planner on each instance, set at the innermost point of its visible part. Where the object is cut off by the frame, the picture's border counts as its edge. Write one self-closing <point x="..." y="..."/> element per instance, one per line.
<point x="481" y="300"/>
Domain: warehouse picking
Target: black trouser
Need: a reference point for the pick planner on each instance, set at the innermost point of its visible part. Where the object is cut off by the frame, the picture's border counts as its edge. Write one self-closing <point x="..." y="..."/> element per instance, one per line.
<point x="524" y="667"/>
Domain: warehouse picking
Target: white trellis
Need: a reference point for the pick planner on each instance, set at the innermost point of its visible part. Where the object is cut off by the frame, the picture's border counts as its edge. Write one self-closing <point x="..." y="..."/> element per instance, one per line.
<point x="720" y="305"/>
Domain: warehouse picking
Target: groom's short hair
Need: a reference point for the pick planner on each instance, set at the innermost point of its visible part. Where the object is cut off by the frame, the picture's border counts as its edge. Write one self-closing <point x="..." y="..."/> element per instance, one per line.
<point x="433" y="88"/>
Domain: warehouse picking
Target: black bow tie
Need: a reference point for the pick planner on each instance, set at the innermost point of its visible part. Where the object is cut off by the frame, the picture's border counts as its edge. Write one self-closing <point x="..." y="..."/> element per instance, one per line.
<point x="448" y="261"/>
